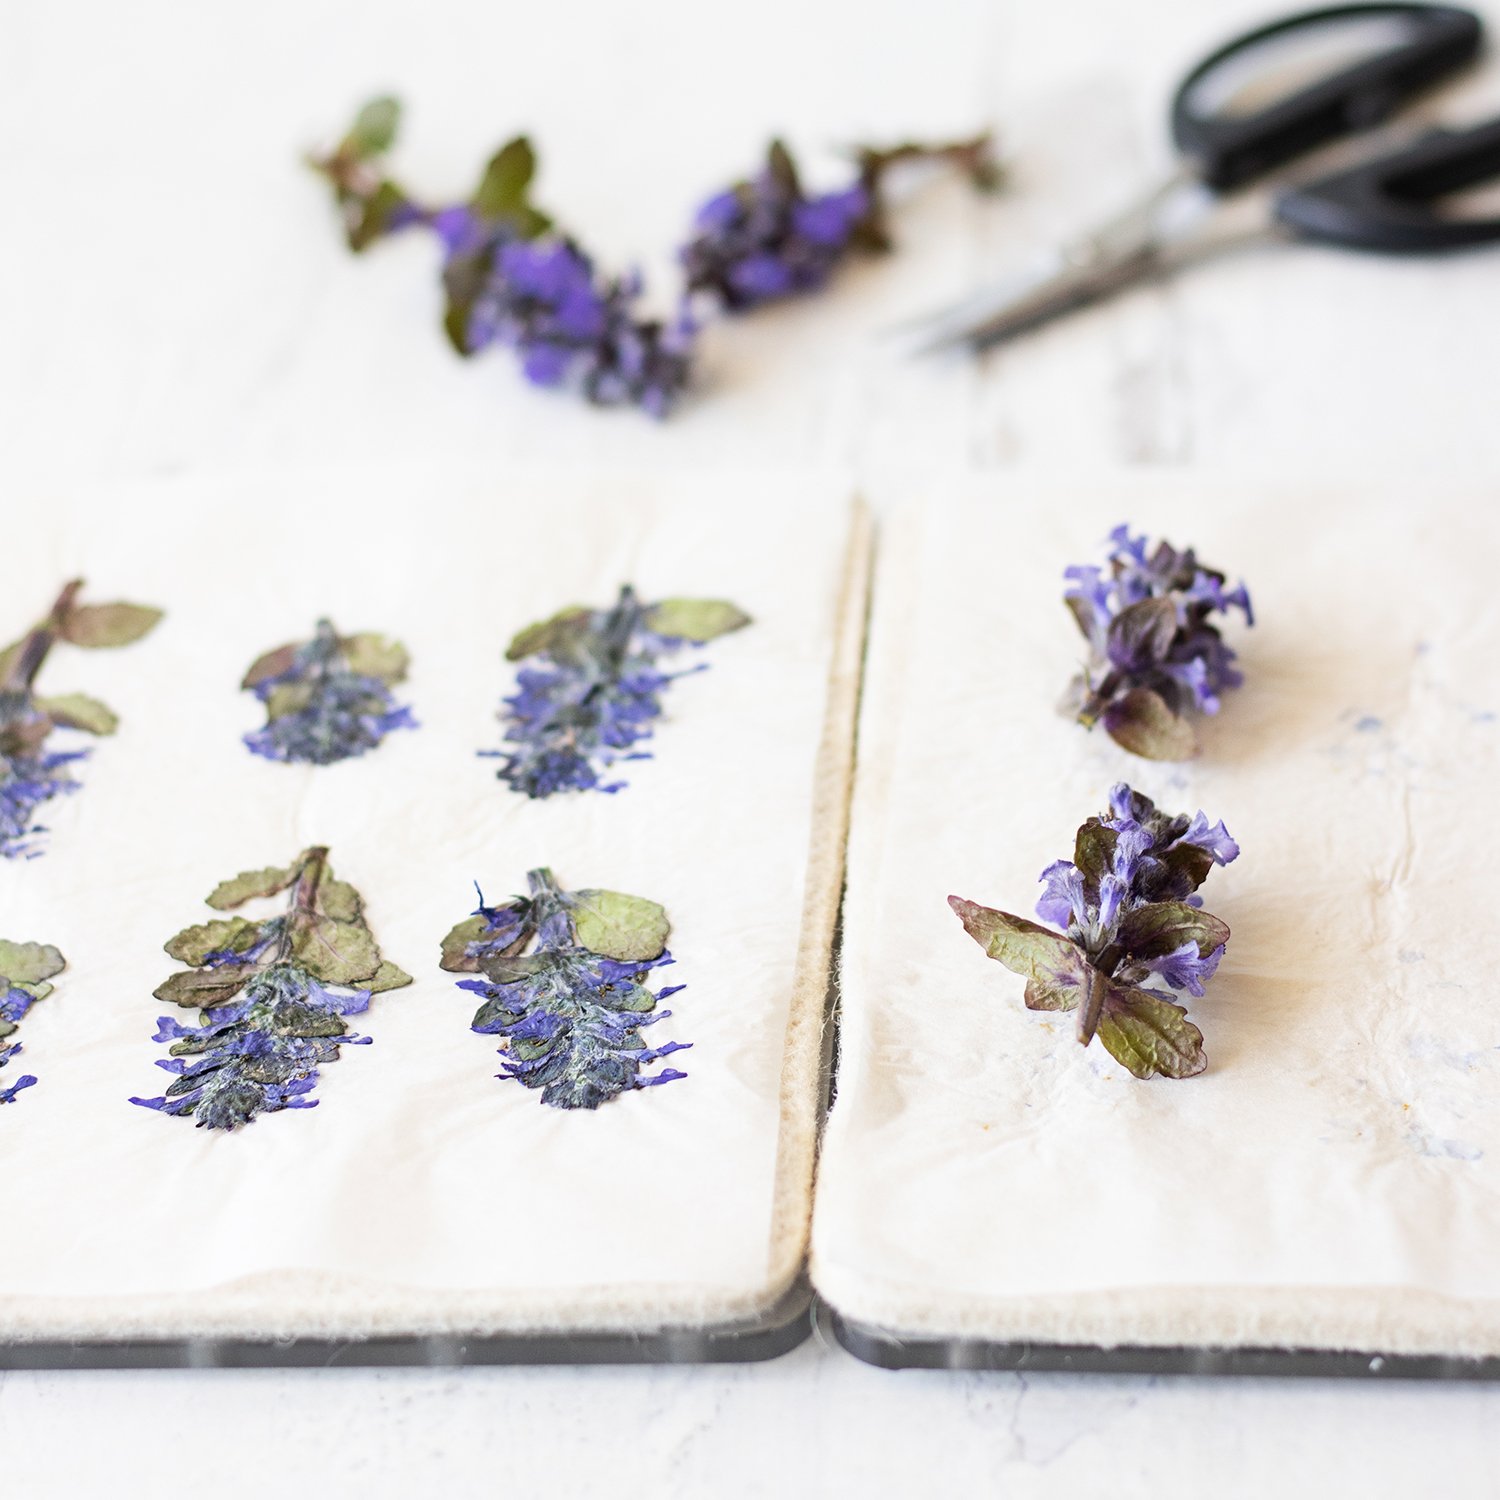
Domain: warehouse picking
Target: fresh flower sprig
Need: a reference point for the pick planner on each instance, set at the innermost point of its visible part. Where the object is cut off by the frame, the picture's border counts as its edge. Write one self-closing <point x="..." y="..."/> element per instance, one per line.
<point x="514" y="279"/>
<point x="329" y="698"/>
<point x="25" y="969"/>
<point x="563" y="983"/>
<point x="767" y="237"/>
<point x="596" y="688"/>
<point x="1156" y="658"/>
<point x="31" y="770"/>
<point x="1131" y="924"/>
<point x="272" y="995"/>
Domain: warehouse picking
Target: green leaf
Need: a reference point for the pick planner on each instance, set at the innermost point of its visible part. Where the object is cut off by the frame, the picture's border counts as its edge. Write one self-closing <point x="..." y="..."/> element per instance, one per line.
<point x="271" y="664"/>
<point x="1141" y="634"/>
<point x="1094" y="850"/>
<point x="1142" y="723"/>
<point x="338" y="899"/>
<point x="627" y="928"/>
<point x="387" y="977"/>
<point x="1150" y="1035"/>
<point x="38" y="991"/>
<point x="1023" y="947"/>
<point x="96" y="625"/>
<point x="231" y="934"/>
<point x="1164" y="926"/>
<point x="1083" y="615"/>
<point x="249" y="884"/>
<point x="368" y="221"/>
<point x="556" y="635"/>
<point x="7" y="1028"/>
<point x="79" y="711"/>
<point x="1058" y="992"/>
<point x="335" y="952"/>
<point x="373" y="655"/>
<point x="783" y="169"/>
<point x="27" y="963"/>
<point x="456" y="958"/>
<point x="288" y="698"/>
<point x="506" y="970"/>
<point x="374" y="128"/>
<point x="205" y="987"/>
<point x="502" y="190"/>
<point x="695" y="619"/>
<point x="8" y="658"/>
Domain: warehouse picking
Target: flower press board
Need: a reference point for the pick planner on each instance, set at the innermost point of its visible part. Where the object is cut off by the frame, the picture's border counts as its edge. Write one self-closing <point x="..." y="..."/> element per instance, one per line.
<point x="424" y="1209"/>
<point x="991" y="1193"/>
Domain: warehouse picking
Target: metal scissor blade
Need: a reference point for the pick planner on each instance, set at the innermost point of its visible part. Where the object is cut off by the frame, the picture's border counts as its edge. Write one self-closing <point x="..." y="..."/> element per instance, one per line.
<point x="1127" y="264"/>
<point x="1065" y="291"/>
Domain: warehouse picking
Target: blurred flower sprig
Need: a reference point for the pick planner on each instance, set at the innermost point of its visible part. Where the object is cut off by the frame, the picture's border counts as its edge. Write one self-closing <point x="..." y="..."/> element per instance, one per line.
<point x="513" y="278"/>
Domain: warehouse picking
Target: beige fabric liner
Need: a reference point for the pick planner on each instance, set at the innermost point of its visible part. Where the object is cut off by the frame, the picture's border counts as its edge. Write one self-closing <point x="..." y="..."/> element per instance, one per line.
<point x="1333" y="1180"/>
<point x="423" y="1196"/>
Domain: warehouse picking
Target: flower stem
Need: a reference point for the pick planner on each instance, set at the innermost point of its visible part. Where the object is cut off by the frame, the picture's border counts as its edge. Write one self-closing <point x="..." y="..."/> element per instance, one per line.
<point x="39" y="641"/>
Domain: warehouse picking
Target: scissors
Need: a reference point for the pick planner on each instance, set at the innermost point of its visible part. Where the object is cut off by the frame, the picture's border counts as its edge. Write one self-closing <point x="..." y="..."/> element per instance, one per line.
<point x="1231" y="136"/>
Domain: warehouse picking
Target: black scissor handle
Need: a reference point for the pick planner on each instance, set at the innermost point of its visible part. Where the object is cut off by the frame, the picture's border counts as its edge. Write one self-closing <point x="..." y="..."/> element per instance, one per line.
<point x="1231" y="150"/>
<point x="1388" y="204"/>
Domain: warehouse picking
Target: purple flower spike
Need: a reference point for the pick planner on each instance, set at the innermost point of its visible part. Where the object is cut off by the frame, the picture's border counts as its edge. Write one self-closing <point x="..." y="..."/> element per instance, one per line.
<point x="1131" y="923"/>
<point x="1156" y="657"/>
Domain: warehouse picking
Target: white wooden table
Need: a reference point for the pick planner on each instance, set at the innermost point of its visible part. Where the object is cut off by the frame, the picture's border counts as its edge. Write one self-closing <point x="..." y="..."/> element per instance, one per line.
<point x="175" y="301"/>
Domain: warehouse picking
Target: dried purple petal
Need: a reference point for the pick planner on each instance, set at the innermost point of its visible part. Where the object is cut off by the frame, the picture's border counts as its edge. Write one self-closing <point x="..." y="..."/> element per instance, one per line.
<point x="32" y="770"/>
<point x="562" y="982"/>
<point x="594" y="696"/>
<point x="25" y="969"/>
<point x="272" y="996"/>
<point x="329" y="698"/>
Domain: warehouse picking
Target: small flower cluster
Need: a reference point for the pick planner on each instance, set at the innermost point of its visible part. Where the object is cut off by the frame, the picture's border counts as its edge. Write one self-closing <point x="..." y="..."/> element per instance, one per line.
<point x="1156" y="655"/>
<point x="592" y="699"/>
<point x="329" y="698"/>
<point x="766" y="237"/>
<point x="25" y="969"/>
<point x="272" y="994"/>
<point x="562" y="982"/>
<point x="1131" y="921"/>
<point x="572" y="327"/>
<point x="514" y="280"/>
<point x="31" y="773"/>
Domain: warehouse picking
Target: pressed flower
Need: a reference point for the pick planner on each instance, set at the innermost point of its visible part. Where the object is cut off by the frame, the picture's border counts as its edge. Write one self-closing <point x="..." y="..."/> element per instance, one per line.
<point x="563" y="981"/>
<point x="766" y="237"/>
<point x="33" y="769"/>
<point x="272" y="995"/>
<point x="1132" y="926"/>
<point x="592" y="688"/>
<point x="1156" y="655"/>
<point x="25" y="969"/>
<point x="329" y="698"/>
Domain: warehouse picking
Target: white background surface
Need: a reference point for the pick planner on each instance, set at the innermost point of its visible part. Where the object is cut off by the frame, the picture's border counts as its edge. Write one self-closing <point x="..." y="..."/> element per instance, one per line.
<point x="175" y="301"/>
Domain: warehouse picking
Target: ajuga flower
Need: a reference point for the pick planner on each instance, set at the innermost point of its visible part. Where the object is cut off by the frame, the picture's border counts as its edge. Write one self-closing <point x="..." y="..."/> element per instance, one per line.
<point x="562" y="982"/>
<point x="1155" y="656"/>
<point x="32" y="769"/>
<point x="596" y="688"/>
<point x="272" y="995"/>
<point x="513" y="279"/>
<point x="1132" y="925"/>
<point x="25" y="969"/>
<point x="329" y="698"/>
<point x="765" y="237"/>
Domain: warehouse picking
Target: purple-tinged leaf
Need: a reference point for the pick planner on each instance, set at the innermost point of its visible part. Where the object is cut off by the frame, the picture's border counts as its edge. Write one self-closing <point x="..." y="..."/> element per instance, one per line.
<point x="1141" y="722"/>
<point x="1150" y="1035"/>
